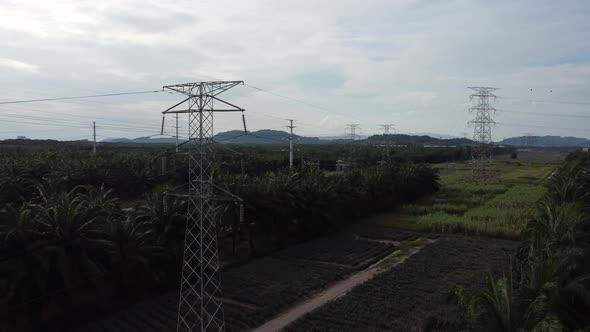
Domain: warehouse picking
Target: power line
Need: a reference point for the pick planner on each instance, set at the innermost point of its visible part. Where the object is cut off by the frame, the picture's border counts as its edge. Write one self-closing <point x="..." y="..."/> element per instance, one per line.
<point x="548" y="101"/>
<point x="520" y="125"/>
<point x="43" y="124"/>
<point x="77" y="97"/>
<point x="68" y="114"/>
<point x="300" y="101"/>
<point x="51" y="120"/>
<point x="305" y="124"/>
<point x="547" y="114"/>
<point x="105" y="128"/>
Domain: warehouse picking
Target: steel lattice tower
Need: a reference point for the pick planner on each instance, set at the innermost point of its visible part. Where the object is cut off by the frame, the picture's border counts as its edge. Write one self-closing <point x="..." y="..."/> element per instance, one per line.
<point x="350" y="131"/>
<point x="200" y="307"/>
<point x="386" y="128"/>
<point x="386" y="142"/>
<point x="481" y="151"/>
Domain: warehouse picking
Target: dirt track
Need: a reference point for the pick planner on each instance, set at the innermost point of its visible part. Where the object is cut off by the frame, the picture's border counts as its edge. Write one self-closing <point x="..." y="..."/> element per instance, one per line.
<point x="332" y="293"/>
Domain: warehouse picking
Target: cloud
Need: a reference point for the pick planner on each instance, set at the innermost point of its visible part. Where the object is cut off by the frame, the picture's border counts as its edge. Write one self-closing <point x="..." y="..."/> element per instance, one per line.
<point x="406" y="62"/>
<point x="16" y="65"/>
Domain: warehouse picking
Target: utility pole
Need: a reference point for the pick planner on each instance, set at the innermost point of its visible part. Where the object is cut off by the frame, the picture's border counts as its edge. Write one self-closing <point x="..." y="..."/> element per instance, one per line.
<point x="200" y="307"/>
<point x="176" y="116"/>
<point x="94" y="136"/>
<point x="290" y="126"/>
<point x="481" y="151"/>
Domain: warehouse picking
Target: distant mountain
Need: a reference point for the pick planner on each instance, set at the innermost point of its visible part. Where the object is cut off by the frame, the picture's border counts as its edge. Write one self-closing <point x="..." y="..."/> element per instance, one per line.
<point x="141" y="140"/>
<point x="267" y="136"/>
<point x="413" y="139"/>
<point x="264" y="136"/>
<point x="546" y="141"/>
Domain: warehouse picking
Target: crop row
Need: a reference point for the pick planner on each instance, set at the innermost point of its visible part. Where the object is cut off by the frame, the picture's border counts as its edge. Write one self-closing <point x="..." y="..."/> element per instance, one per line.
<point x="260" y="290"/>
<point x="399" y="299"/>
<point x="344" y="249"/>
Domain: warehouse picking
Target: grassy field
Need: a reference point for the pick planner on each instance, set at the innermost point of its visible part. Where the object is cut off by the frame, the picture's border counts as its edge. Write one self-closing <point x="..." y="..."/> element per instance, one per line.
<point x="499" y="208"/>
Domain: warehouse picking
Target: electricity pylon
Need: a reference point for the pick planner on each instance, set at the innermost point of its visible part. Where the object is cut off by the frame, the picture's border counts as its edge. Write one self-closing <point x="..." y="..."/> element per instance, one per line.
<point x="386" y="142"/>
<point x="200" y="307"/>
<point x="481" y="151"/>
<point x="386" y="128"/>
<point x="350" y="133"/>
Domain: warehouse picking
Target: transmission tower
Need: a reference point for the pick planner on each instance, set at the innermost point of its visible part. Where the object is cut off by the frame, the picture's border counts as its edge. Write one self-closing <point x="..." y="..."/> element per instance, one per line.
<point x="386" y="128"/>
<point x="200" y="307"/>
<point x="350" y="131"/>
<point x="481" y="151"/>
<point x="386" y="142"/>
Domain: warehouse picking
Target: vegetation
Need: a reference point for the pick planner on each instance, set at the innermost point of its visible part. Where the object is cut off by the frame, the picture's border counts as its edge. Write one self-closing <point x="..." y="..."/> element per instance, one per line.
<point x="501" y="208"/>
<point x="399" y="299"/>
<point x="548" y="287"/>
<point x="260" y="290"/>
<point x="79" y="232"/>
<point x="345" y="249"/>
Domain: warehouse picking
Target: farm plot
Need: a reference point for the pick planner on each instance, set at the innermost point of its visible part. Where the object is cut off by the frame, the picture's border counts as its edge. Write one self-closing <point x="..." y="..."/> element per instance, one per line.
<point x="345" y="249"/>
<point x="252" y="293"/>
<point x="275" y="283"/>
<point x="256" y="292"/>
<point x="400" y="299"/>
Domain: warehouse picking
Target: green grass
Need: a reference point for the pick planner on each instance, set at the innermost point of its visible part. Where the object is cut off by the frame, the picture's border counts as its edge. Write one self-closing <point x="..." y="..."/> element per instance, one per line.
<point x="500" y="208"/>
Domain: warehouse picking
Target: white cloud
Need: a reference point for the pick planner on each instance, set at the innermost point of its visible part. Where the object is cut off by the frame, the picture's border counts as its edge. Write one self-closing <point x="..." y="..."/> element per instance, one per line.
<point x="11" y="64"/>
<point x="406" y="62"/>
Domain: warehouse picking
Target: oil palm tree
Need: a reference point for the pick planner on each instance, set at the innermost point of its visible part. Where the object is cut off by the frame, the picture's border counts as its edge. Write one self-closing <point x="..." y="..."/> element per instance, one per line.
<point x="25" y="265"/>
<point x="165" y="218"/>
<point x="135" y="255"/>
<point x="71" y="224"/>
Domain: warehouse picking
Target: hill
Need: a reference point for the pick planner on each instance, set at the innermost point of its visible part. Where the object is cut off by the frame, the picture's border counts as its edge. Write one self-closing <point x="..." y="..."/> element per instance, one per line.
<point x="416" y="140"/>
<point x="546" y="141"/>
<point x="264" y="136"/>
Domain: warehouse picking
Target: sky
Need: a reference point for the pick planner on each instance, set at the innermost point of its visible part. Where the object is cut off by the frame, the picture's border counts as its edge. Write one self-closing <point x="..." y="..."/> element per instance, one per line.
<point x="325" y="64"/>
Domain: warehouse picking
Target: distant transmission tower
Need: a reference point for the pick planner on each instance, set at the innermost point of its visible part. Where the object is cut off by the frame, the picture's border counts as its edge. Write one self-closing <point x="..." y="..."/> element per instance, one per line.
<point x="200" y="307"/>
<point x="386" y="143"/>
<point x="350" y="131"/>
<point x="386" y="128"/>
<point x="481" y="151"/>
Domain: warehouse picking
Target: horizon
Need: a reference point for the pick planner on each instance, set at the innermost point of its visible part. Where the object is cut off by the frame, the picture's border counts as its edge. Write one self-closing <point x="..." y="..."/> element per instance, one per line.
<point x="327" y="139"/>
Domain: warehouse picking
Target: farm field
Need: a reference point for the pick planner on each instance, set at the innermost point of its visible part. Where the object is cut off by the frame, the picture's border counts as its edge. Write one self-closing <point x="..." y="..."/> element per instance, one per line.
<point x="392" y="300"/>
<point x="500" y="208"/>
<point x="257" y="291"/>
<point x="411" y="294"/>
